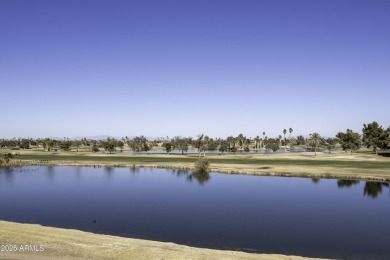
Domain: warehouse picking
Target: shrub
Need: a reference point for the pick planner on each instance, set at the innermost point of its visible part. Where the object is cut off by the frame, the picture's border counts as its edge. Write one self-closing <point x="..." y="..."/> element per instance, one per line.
<point x="7" y="157"/>
<point x="202" y="166"/>
<point x="95" y="148"/>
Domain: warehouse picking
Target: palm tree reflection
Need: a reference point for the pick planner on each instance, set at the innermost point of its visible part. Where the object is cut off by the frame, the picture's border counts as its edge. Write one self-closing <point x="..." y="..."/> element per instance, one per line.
<point x="373" y="189"/>
<point x="346" y="183"/>
<point x="315" y="180"/>
<point x="200" y="177"/>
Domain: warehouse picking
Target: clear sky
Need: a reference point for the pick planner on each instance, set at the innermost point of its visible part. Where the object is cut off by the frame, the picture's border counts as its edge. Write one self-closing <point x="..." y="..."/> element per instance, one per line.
<point x="158" y="68"/>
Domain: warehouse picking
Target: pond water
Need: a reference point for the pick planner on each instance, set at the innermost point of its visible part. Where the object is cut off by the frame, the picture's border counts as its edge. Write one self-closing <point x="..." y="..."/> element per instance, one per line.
<point x="297" y="216"/>
<point x="195" y="151"/>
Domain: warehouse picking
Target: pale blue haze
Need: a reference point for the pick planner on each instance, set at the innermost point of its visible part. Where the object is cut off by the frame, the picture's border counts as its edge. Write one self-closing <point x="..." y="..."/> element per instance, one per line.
<point x="158" y="68"/>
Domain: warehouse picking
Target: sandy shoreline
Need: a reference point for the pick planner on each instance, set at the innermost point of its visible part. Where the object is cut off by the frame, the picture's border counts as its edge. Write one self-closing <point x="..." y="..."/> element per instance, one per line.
<point x="74" y="244"/>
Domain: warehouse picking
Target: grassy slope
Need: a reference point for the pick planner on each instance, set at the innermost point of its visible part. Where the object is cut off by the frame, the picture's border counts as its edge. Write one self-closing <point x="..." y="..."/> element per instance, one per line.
<point x="213" y="159"/>
<point x="72" y="244"/>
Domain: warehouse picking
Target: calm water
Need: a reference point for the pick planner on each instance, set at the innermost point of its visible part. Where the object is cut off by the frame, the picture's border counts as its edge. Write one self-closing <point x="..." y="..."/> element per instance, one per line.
<point x="298" y="216"/>
<point x="194" y="151"/>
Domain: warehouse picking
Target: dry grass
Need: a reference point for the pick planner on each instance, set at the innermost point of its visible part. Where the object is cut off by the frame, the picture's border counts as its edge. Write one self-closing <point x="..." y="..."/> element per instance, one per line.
<point x="12" y="163"/>
<point x="72" y="244"/>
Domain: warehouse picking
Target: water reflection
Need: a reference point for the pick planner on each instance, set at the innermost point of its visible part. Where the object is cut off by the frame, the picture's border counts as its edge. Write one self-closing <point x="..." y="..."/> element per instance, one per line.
<point x="50" y="173"/>
<point x="134" y="170"/>
<point x="346" y="183"/>
<point x="315" y="180"/>
<point x="200" y="177"/>
<point x="232" y="211"/>
<point x="108" y="172"/>
<point x="371" y="189"/>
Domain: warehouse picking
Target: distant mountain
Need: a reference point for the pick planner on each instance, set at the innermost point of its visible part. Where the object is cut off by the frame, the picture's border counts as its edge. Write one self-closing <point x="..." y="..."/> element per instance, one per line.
<point x="103" y="137"/>
<point x="94" y="137"/>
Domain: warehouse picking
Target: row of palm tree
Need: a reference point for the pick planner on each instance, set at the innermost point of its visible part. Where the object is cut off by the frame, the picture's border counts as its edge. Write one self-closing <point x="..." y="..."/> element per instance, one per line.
<point x="374" y="136"/>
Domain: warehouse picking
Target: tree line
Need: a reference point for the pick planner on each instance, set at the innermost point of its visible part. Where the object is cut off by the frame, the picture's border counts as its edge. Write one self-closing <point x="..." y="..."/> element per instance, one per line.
<point x="373" y="136"/>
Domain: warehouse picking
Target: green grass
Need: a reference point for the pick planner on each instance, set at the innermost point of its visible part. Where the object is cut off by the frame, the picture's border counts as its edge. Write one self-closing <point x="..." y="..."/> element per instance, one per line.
<point x="150" y="159"/>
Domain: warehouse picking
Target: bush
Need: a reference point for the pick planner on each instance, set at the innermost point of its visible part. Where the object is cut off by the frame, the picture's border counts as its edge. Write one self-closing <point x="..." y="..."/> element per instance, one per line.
<point x="202" y="166"/>
<point x="7" y="157"/>
<point x="95" y="148"/>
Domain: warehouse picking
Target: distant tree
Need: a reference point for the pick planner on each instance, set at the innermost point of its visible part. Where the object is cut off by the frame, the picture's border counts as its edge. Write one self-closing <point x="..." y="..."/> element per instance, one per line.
<point x="388" y="139"/>
<point x="350" y="141"/>
<point x="273" y="144"/>
<point x="24" y="144"/>
<point x="48" y="144"/>
<point x="257" y="142"/>
<point x="120" y="145"/>
<point x="315" y="141"/>
<point x="331" y="143"/>
<point x="210" y="143"/>
<point x="65" y="145"/>
<point x="241" y="141"/>
<point x="263" y="139"/>
<point x="95" y="148"/>
<point x="290" y="130"/>
<point x="246" y="149"/>
<point x="231" y="141"/>
<point x="181" y="143"/>
<point x="85" y="142"/>
<point x="109" y="145"/>
<point x="280" y="140"/>
<point x="292" y="143"/>
<point x="168" y="147"/>
<point x="284" y="134"/>
<point x="223" y="146"/>
<point x="199" y="143"/>
<point x="375" y="136"/>
<point x="300" y="140"/>
<point x="139" y="144"/>
<point x="77" y="143"/>
<point x="234" y="150"/>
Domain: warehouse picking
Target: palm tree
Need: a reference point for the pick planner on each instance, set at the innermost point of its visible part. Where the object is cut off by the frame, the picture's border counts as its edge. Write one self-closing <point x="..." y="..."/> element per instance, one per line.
<point x="315" y="138"/>
<point x="263" y="139"/>
<point x="257" y="142"/>
<point x="280" y="140"/>
<point x="284" y="133"/>
<point x="241" y="140"/>
<point x="290" y="131"/>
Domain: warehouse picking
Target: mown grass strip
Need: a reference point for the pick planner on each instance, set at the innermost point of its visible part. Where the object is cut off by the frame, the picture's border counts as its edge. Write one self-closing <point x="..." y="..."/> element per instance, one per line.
<point x="185" y="159"/>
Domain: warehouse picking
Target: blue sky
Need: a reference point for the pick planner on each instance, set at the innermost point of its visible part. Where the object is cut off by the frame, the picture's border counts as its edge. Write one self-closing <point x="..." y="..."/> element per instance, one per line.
<point x="158" y="68"/>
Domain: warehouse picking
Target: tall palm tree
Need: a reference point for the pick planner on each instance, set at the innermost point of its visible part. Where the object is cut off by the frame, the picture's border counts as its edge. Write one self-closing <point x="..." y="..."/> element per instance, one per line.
<point x="280" y="140"/>
<point x="284" y="133"/>
<point x="290" y="130"/>
<point x="263" y="139"/>
<point x="241" y="140"/>
<point x="257" y="142"/>
<point x="315" y="138"/>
